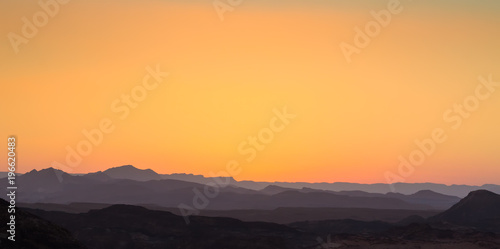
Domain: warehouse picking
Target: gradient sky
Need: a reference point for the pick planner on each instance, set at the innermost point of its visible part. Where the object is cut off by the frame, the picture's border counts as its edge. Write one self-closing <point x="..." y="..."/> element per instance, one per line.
<point x="353" y="119"/>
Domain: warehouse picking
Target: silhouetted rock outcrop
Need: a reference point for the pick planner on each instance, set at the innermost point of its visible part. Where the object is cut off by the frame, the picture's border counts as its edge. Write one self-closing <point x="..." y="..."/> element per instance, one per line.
<point x="480" y="209"/>
<point x="34" y="232"/>
<point x="124" y="226"/>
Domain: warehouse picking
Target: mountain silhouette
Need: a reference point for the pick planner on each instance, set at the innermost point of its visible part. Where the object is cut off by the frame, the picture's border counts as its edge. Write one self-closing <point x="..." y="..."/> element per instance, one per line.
<point x="129" y="185"/>
<point x="199" y="178"/>
<point x="423" y="197"/>
<point x="379" y="188"/>
<point x="124" y="226"/>
<point x="473" y="222"/>
<point x="351" y="189"/>
<point x="273" y="189"/>
<point x="132" y="173"/>
<point x="428" y="197"/>
<point x="479" y="209"/>
<point x="37" y="186"/>
<point x="34" y="232"/>
<point x="99" y="176"/>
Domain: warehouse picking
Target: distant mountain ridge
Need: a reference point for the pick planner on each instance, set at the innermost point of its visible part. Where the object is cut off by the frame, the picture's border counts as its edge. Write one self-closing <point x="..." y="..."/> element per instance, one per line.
<point x="129" y="185"/>
<point x="132" y="173"/>
<point x="381" y="188"/>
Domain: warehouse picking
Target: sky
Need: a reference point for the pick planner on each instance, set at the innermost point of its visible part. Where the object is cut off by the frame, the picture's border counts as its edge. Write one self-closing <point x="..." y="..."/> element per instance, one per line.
<point x="314" y="91"/>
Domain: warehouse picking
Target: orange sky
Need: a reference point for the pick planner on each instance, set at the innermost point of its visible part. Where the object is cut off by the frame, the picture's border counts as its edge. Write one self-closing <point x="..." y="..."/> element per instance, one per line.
<point x="226" y="77"/>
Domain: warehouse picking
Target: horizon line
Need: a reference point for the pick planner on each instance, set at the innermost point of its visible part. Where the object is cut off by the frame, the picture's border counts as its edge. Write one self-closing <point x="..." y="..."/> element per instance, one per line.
<point x="256" y="181"/>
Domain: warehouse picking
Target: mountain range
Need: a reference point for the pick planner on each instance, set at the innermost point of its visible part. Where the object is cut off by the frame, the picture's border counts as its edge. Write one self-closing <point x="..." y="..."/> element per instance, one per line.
<point x="471" y="223"/>
<point x="129" y="185"/>
<point x="132" y="173"/>
<point x="126" y="207"/>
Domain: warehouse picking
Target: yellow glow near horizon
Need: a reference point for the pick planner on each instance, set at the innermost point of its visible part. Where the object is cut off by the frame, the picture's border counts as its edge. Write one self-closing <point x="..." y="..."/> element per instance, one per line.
<point x="225" y="79"/>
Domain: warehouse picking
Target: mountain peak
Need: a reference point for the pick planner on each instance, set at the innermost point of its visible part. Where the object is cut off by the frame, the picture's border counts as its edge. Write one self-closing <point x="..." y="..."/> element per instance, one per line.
<point x="274" y="189"/>
<point x="482" y="193"/>
<point x="128" y="166"/>
<point x="51" y="169"/>
<point x="477" y="206"/>
<point x="121" y="208"/>
<point x="431" y="194"/>
<point x="132" y="173"/>
<point x="272" y="186"/>
<point x="46" y="172"/>
<point x="425" y="192"/>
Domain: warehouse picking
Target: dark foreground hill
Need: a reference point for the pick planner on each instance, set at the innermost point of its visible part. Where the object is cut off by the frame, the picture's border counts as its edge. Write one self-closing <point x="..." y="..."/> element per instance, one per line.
<point x="124" y="226"/>
<point x="480" y="209"/>
<point x="133" y="227"/>
<point x="33" y="232"/>
<point x="278" y="215"/>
